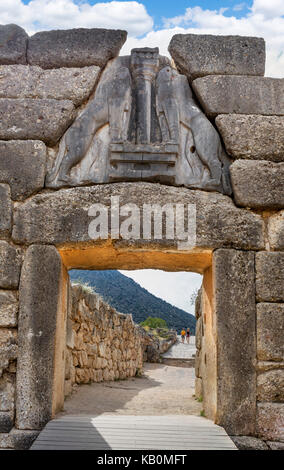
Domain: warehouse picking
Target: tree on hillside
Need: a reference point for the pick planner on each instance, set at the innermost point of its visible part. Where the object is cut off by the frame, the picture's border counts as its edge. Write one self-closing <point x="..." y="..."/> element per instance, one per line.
<point x="154" y="322"/>
<point x="193" y="296"/>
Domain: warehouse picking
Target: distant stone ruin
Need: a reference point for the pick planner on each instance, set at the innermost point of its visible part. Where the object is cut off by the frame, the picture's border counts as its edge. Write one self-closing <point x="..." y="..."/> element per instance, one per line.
<point x="78" y="125"/>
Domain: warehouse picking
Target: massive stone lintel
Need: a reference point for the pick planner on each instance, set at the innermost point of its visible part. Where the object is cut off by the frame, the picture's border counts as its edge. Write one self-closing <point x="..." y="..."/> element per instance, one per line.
<point x="62" y="216"/>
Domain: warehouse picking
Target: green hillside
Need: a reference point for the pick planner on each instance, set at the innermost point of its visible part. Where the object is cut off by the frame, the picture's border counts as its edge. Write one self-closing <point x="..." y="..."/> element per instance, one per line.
<point x="126" y="296"/>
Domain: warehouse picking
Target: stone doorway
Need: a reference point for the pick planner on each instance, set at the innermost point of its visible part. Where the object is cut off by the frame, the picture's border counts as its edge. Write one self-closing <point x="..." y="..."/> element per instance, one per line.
<point x="41" y="363"/>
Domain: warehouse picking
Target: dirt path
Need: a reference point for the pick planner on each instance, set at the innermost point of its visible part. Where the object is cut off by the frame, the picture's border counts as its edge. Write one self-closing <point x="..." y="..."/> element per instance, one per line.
<point x="163" y="390"/>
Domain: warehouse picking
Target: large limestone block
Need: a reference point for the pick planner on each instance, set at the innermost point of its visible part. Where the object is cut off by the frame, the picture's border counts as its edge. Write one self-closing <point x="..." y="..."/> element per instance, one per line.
<point x="7" y="392"/>
<point x="270" y="332"/>
<point x="273" y="445"/>
<point x="10" y="265"/>
<point x="275" y="229"/>
<point x="39" y="299"/>
<point x="34" y="119"/>
<point x="226" y="94"/>
<point x="5" y="208"/>
<point x="270" y="385"/>
<point x="197" y="55"/>
<point x="8" y="308"/>
<point x="8" y="347"/>
<point x="198" y="387"/>
<point x="13" y="44"/>
<point x="198" y="333"/>
<point x="253" y="137"/>
<point x="270" y="421"/>
<point x="22" y="440"/>
<point x="6" y="421"/>
<point x="68" y="84"/>
<point x="74" y="47"/>
<point x="258" y="185"/>
<point x="234" y="281"/>
<point x="75" y="84"/>
<point x="270" y="277"/>
<point x="249" y="443"/>
<point x="62" y="216"/>
<point x="23" y="166"/>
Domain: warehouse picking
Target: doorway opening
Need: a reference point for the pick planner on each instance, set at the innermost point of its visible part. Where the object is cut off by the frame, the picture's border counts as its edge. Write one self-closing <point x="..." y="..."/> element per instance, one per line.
<point x="161" y="304"/>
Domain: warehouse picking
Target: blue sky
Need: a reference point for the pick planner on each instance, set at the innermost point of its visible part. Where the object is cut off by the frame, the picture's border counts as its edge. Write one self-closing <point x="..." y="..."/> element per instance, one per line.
<point x="169" y="8"/>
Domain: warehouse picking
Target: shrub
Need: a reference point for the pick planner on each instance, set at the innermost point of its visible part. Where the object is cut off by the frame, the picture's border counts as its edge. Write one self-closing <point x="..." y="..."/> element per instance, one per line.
<point x="154" y="322"/>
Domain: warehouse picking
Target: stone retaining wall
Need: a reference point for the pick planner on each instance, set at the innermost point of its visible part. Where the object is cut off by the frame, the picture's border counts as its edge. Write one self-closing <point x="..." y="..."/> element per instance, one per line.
<point x="102" y="344"/>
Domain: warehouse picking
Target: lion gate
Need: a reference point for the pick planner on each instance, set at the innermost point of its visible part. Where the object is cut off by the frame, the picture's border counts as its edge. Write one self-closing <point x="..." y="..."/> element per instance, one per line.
<point x="79" y="126"/>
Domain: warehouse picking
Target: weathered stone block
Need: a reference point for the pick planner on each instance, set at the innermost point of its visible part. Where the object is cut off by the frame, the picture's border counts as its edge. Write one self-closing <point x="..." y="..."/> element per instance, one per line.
<point x="68" y="84"/>
<point x="253" y="137"/>
<point x="275" y="445"/>
<point x="270" y="385"/>
<point x="13" y="44"/>
<point x="6" y="421"/>
<point x="5" y="209"/>
<point x="234" y="280"/>
<point x="8" y="348"/>
<point x="198" y="308"/>
<point x="257" y="184"/>
<point x="249" y="443"/>
<point x="75" y="84"/>
<point x="226" y="94"/>
<point x="7" y="392"/>
<point x="270" y="421"/>
<point x="74" y="47"/>
<point x="10" y="266"/>
<point x="35" y="119"/>
<point x="270" y="330"/>
<point x="197" y="55"/>
<point x="270" y="277"/>
<point x="21" y="440"/>
<point x="39" y="300"/>
<point x="198" y="333"/>
<point x="67" y="388"/>
<point x="4" y="441"/>
<point x="8" y="308"/>
<point x="23" y="166"/>
<point x="275" y="228"/>
<point x="263" y="366"/>
<point x="62" y="216"/>
<point x="198" y="388"/>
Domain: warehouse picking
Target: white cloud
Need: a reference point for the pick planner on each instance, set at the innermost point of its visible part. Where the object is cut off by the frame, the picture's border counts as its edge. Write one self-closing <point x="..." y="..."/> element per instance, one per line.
<point x="40" y="15"/>
<point x="239" y="6"/>
<point x="269" y="8"/>
<point x="199" y="21"/>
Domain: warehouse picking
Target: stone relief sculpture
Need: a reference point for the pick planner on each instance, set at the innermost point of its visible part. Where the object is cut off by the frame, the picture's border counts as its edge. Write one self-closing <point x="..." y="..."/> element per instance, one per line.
<point x="142" y="124"/>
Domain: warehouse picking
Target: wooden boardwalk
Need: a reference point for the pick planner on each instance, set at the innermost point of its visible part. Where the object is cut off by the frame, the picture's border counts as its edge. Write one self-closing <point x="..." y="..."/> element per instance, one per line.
<point x="113" y="432"/>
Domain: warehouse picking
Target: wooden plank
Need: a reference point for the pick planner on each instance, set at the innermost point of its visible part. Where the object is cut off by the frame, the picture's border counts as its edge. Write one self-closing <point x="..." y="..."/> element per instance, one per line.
<point x="133" y="432"/>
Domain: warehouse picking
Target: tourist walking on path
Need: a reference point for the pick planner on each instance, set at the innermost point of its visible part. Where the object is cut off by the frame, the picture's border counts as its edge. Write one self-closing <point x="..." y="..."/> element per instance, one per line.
<point x="182" y="335"/>
<point x="187" y="335"/>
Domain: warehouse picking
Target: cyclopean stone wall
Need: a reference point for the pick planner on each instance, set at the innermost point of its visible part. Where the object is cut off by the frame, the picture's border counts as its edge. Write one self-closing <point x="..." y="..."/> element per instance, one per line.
<point x="46" y="82"/>
<point x="102" y="344"/>
<point x="248" y="110"/>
